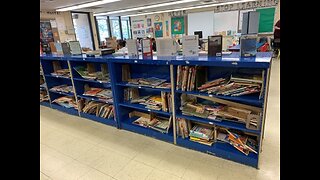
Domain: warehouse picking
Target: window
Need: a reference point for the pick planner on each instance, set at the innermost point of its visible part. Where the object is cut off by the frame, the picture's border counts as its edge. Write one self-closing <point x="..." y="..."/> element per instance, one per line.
<point x="103" y="28"/>
<point x="125" y="28"/>
<point x="115" y="27"/>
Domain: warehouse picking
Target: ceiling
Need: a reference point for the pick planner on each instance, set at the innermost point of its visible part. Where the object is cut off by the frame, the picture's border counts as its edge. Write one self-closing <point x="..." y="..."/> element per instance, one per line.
<point x="123" y="4"/>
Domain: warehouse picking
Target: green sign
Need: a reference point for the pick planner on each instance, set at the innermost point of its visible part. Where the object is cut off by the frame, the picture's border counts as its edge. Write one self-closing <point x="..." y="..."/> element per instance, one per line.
<point x="177" y="25"/>
<point x="266" y="19"/>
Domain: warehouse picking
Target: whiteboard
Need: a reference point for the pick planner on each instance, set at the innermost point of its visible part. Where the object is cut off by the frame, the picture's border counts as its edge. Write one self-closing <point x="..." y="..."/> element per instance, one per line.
<point x="225" y="21"/>
<point x="202" y="21"/>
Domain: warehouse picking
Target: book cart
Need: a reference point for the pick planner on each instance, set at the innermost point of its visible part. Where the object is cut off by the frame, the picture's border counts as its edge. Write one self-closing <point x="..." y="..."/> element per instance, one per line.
<point x="215" y="67"/>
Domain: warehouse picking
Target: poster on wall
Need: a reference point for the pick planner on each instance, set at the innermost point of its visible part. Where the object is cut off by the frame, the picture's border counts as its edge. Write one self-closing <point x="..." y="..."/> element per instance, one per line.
<point x="138" y="30"/>
<point x="177" y="25"/>
<point x="158" y="29"/>
<point x="167" y="28"/>
<point x="149" y="22"/>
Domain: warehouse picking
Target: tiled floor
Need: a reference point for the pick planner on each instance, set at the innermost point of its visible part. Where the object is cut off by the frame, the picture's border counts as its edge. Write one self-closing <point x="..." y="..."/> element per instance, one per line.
<point x="76" y="148"/>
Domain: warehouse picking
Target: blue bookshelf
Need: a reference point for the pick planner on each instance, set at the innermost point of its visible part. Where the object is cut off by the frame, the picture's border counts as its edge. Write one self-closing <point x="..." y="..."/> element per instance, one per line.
<point x="166" y="69"/>
<point x="45" y="103"/>
<point x="124" y="84"/>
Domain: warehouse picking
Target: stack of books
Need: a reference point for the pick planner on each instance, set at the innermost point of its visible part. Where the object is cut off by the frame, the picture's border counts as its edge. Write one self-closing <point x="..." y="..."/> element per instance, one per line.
<point x="62" y="88"/>
<point x="62" y="73"/>
<point x="183" y="127"/>
<point x="150" y="82"/>
<point x="163" y="102"/>
<point x="202" y="135"/>
<point x="98" y="109"/>
<point x="242" y="143"/>
<point x="218" y="112"/>
<point x="100" y="76"/>
<point x="67" y="102"/>
<point x="158" y="123"/>
<point x="101" y="94"/>
<point x="235" y="86"/>
<point x="186" y="78"/>
<point x="43" y="95"/>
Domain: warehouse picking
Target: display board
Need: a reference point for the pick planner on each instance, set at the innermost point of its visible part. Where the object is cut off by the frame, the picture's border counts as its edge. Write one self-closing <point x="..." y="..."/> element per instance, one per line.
<point x="266" y="19"/>
<point x="202" y="21"/>
<point x="225" y="21"/>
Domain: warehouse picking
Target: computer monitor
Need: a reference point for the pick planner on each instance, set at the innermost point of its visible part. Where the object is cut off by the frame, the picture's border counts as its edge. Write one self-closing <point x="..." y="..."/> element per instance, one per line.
<point x="199" y="33"/>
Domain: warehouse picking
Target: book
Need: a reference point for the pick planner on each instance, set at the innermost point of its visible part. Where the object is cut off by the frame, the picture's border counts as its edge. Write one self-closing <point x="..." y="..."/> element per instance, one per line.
<point x="75" y="47"/>
<point x="166" y="47"/>
<point x="164" y="85"/>
<point x="185" y="77"/>
<point x="164" y="101"/>
<point x="190" y="46"/>
<point x="214" y="46"/>
<point x="66" y="48"/>
<point x="248" y="45"/>
<point x="132" y="46"/>
<point x="146" y="48"/>
<point x="179" y="77"/>
<point x="92" y="91"/>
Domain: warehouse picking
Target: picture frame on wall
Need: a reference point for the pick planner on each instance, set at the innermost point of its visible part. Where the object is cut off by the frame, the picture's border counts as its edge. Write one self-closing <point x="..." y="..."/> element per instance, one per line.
<point x="177" y="25"/>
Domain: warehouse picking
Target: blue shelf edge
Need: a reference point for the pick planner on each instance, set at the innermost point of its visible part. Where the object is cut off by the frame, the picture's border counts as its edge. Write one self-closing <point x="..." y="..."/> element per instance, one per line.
<point x="142" y="107"/>
<point x="63" y="93"/>
<point x="110" y="122"/>
<point x="44" y="103"/>
<point x="127" y="125"/>
<point x="93" y="99"/>
<point x="71" y="111"/>
<point x="249" y="100"/>
<point x="222" y="150"/>
<point x="227" y="124"/>
<point x="143" y="87"/>
<point x="86" y="80"/>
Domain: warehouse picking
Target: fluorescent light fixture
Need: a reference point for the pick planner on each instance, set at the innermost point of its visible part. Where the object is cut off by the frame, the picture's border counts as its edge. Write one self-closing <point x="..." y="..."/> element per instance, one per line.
<point x="90" y="4"/>
<point x="194" y="7"/>
<point x="146" y="7"/>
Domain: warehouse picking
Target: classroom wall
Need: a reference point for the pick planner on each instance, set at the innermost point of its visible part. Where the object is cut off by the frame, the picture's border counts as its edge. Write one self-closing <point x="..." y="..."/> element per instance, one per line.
<point x="163" y="17"/>
<point x="63" y="21"/>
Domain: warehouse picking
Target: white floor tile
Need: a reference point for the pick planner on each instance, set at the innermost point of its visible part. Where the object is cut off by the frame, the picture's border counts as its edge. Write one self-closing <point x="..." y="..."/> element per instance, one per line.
<point x="95" y="175"/>
<point x="161" y="175"/>
<point x="134" y="170"/>
<point x="72" y="171"/>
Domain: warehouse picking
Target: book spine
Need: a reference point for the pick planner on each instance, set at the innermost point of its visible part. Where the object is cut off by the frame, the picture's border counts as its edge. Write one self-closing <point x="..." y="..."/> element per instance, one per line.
<point x="178" y="85"/>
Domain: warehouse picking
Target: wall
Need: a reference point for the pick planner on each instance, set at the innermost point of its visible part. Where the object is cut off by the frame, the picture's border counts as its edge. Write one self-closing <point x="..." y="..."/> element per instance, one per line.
<point x="64" y="23"/>
<point x="163" y="17"/>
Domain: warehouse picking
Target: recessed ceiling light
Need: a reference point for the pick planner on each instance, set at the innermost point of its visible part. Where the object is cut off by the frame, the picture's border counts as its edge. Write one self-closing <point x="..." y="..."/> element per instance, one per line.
<point x="145" y="7"/>
<point x="95" y="3"/>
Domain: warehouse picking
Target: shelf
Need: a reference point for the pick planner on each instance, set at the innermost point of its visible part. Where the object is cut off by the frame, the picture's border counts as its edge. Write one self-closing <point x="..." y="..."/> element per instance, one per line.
<point x="110" y="122"/>
<point x="62" y="77"/>
<point x="221" y="149"/>
<point x="71" y="111"/>
<point x="93" y="81"/>
<point x="226" y="124"/>
<point x="63" y="93"/>
<point x="127" y="125"/>
<point x="45" y="103"/>
<point x="247" y="99"/>
<point x="142" y="107"/>
<point x="142" y="87"/>
<point x="93" y="99"/>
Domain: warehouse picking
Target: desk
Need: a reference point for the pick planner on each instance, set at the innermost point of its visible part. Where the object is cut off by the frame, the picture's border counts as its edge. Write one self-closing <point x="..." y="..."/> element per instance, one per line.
<point x="237" y="47"/>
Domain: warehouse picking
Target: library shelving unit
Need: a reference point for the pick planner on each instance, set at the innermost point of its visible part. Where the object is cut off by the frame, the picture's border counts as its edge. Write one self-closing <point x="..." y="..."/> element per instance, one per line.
<point x="165" y="68"/>
<point x="77" y="82"/>
<point x="139" y="68"/>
